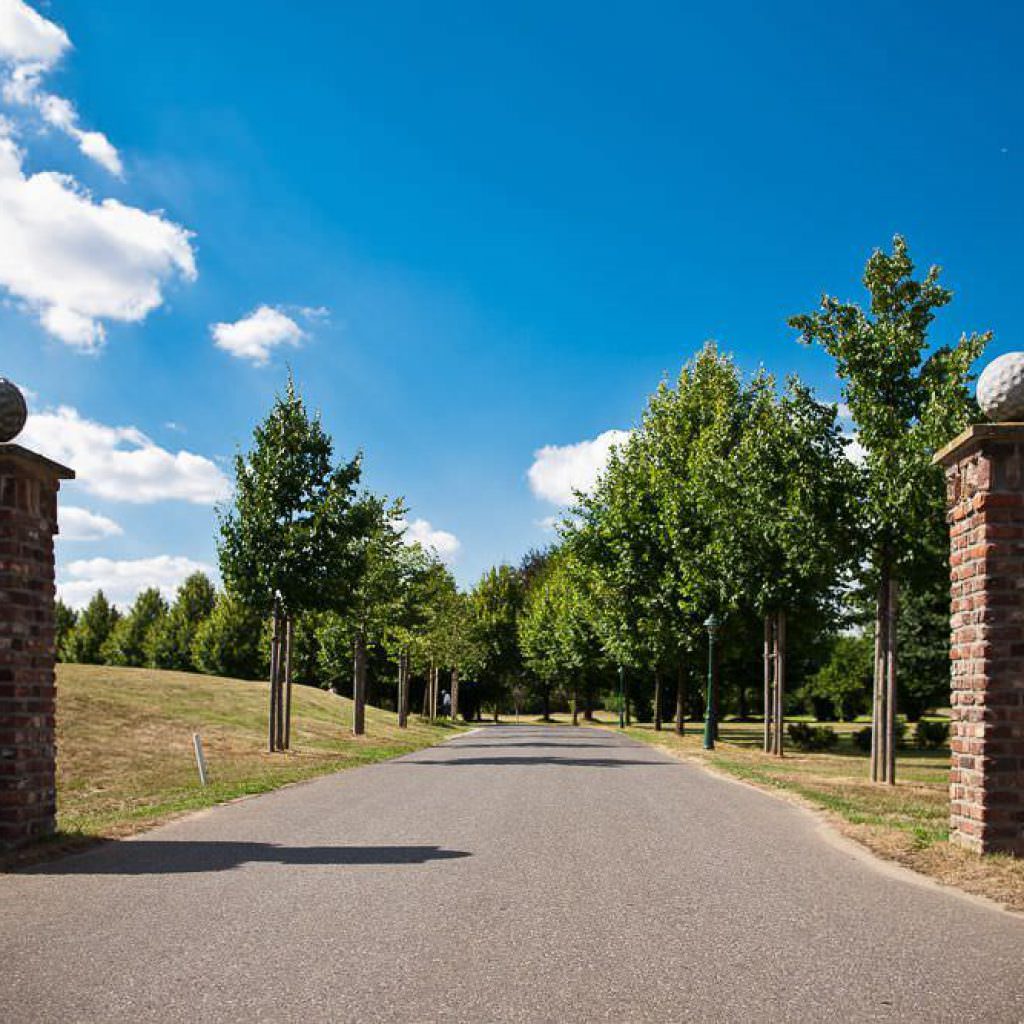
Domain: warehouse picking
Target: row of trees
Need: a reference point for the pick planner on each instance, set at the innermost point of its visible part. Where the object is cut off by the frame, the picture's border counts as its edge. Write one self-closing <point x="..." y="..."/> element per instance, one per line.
<point x="320" y="585"/>
<point x="736" y="500"/>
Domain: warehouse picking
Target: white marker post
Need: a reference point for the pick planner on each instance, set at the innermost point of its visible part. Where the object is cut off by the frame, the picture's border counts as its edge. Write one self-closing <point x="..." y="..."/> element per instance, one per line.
<point x="197" y="743"/>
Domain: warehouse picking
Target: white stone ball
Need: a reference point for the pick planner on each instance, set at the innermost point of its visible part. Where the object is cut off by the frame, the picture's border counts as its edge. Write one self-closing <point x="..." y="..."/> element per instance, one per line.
<point x="1001" y="389"/>
<point x="13" y="411"/>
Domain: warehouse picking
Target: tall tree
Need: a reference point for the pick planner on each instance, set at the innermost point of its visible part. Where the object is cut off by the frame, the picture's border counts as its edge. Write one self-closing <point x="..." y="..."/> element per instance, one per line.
<point x="495" y="604"/>
<point x="85" y="642"/>
<point x="229" y="641"/>
<point x="65" y="619"/>
<point x="906" y="399"/>
<point x="128" y="641"/>
<point x="292" y="540"/>
<point x="169" y="640"/>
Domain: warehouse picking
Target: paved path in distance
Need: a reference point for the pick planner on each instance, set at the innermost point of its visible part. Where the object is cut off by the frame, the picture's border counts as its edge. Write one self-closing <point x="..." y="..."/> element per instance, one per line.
<point x="514" y="874"/>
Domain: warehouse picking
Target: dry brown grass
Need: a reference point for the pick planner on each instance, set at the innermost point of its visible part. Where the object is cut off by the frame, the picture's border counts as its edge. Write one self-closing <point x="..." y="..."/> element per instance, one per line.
<point x="124" y="744"/>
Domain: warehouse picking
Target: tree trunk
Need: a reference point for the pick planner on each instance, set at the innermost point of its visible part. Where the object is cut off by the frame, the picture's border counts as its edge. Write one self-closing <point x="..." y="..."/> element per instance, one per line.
<point x="890" y="695"/>
<point x="588" y="706"/>
<point x="403" y="690"/>
<point x="779" y="713"/>
<point x="275" y="645"/>
<point x="657" y="700"/>
<point x="455" y="694"/>
<point x="546" y="703"/>
<point x="880" y="733"/>
<point x="575" y="705"/>
<point x="768" y="694"/>
<point x="289" y="634"/>
<point x="625" y="700"/>
<point x="680" y="698"/>
<point x="359" y="686"/>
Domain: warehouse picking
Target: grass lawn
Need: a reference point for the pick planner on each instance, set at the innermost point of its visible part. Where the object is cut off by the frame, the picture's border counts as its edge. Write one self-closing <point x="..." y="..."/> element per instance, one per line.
<point x="907" y="822"/>
<point x="124" y="744"/>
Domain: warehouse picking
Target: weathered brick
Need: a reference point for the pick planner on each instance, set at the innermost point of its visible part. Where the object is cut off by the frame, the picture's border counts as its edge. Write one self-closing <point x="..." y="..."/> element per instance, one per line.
<point x="28" y="522"/>
<point x="985" y="487"/>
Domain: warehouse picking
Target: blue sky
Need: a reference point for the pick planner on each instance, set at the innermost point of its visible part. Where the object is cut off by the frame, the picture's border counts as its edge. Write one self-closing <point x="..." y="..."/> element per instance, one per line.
<point x="494" y="230"/>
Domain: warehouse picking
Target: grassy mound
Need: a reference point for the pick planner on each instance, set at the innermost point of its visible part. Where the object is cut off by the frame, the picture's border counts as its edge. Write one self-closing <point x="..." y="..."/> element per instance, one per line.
<point x="124" y="743"/>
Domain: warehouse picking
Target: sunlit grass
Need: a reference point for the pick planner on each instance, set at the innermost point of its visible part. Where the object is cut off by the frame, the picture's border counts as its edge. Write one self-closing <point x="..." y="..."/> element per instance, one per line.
<point x="124" y="743"/>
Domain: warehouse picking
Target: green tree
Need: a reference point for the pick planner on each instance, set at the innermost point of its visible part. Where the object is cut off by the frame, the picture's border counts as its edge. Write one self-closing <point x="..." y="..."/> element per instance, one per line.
<point x="906" y="399"/>
<point x="294" y="539"/>
<point x="65" y="619"/>
<point x="843" y="683"/>
<point x="495" y="603"/>
<point x="229" y="641"/>
<point x="169" y="641"/>
<point x="84" y="644"/>
<point x="127" y="643"/>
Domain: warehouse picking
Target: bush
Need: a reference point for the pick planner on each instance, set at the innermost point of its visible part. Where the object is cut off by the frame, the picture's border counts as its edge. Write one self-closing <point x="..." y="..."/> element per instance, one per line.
<point x="812" y="737"/>
<point x="931" y="735"/>
<point x="862" y="737"/>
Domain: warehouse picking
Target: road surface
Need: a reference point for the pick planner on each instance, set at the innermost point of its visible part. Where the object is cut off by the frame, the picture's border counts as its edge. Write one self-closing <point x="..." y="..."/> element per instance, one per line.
<point x="514" y="874"/>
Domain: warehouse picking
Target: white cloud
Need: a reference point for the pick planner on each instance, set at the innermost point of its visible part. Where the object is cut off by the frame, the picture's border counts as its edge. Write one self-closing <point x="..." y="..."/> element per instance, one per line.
<point x="444" y="544"/>
<point x="122" y="463"/>
<point x="26" y="37"/>
<point x="254" y="336"/>
<point x="76" y="262"/>
<point x="60" y="113"/>
<point x="31" y="46"/>
<point x="121" y="581"/>
<point x="854" y="450"/>
<point x="559" y="470"/>
<point x="81" y="524"/>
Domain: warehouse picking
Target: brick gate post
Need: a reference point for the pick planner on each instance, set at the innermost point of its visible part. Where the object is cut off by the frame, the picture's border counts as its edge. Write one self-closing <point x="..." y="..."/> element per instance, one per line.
<point x="984" y="469"/>
<point x="28" y="522"/>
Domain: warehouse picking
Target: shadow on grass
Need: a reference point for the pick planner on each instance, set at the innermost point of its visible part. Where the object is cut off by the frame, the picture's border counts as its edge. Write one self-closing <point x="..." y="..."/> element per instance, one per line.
<point x="160" y="857"/>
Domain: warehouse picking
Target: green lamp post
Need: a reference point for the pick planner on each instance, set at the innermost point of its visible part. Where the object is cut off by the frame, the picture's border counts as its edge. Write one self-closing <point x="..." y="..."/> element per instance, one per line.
<point x="622" y="698"/>
<point x="711" y="711"/>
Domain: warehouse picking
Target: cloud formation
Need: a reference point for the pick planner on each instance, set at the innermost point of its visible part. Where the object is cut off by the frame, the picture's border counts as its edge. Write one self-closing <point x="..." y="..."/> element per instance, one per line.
<point x="444" y="544"/>
<point x="81" y="524"/>
<point x="121" y="581"/>
<point x="30" y="47"/>
<point x="256" y="335"/>
<point x="122" y="463"/>
<point x="559" y="470"/>
<point x="76" y="262"/>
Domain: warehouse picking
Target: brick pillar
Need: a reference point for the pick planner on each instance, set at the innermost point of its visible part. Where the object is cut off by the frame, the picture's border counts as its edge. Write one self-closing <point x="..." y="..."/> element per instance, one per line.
<point x="28" y="522"/>
<point x="985" y="491"/>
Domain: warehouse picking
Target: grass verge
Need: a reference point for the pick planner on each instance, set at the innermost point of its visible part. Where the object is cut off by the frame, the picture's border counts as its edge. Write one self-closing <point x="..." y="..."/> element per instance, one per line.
<point x="907" y="823"/>
<point x="124" y="747"/>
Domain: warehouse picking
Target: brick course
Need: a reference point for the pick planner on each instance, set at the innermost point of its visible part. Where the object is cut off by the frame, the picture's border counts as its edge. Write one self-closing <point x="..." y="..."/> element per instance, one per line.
<point x="28" y="522"/>
<point x="985" y="493"/>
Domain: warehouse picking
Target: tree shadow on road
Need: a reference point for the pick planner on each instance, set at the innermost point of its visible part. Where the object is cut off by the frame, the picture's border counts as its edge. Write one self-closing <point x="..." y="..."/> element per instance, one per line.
<point x="159" y="857"/>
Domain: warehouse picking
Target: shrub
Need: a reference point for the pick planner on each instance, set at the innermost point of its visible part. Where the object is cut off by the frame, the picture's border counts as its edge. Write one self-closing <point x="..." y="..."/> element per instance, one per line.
<point x="931" y="735"/>
<point x="862" y="737"/>
<point x="812" y="737"/>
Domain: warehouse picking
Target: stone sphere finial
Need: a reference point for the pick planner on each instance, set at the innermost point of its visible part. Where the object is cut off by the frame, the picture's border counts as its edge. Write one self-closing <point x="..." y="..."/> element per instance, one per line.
<point x="1001" y="389"/>
<point x="13" y="410"/>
